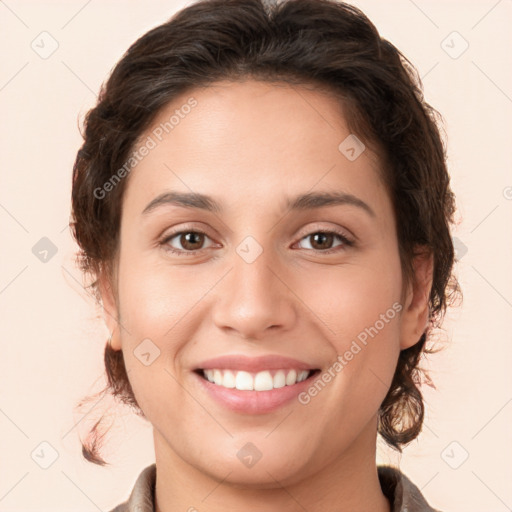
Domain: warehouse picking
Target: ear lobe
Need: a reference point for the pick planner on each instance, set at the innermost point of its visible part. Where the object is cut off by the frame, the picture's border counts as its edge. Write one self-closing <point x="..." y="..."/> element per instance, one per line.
<point x="110" y="310"/>
<point x="415" y="316"/>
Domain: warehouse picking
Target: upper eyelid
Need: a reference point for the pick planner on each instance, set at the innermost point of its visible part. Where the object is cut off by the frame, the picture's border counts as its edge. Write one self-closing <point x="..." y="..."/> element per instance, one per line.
<point x="309" y="231"/>
<point x="338" y="231"/>
<point x="189" y="228"/>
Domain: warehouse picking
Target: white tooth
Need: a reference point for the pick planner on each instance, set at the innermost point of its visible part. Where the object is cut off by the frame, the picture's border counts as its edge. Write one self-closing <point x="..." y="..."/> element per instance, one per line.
<point x="263" y="381"/>
<point x="279" y="379"/>
<point x="302" y="375"/>
<point x="291" y="378"/>
<point x="229" y="379"/>
<point x="244" y="381"/>
<point x="217" y="377"/>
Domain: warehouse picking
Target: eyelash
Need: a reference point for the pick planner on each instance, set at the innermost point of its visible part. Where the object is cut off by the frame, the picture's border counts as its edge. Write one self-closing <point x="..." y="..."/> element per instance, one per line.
<point x="179" y="252"/>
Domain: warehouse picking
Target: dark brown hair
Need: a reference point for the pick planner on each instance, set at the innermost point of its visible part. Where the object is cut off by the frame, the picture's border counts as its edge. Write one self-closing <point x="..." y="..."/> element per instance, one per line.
<point x="318" y="43"/>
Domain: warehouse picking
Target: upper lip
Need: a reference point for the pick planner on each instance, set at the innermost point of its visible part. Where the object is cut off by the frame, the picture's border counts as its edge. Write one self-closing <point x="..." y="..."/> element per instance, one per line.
<point x="254" y="364"/>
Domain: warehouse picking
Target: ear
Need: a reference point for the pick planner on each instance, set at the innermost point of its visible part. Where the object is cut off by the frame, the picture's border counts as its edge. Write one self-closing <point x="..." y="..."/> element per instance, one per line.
<point x="415" y="315"/>
<point x="110" y="310"/>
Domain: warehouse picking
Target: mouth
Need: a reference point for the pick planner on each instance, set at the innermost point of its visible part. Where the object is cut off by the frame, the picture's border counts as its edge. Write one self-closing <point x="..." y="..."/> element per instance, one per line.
<point x="265" y="380"/>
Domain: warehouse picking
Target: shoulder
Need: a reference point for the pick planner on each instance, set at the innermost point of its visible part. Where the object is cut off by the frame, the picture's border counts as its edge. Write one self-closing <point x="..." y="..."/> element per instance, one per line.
<point x="142" y="497"/>
<point x="403" y="495"/>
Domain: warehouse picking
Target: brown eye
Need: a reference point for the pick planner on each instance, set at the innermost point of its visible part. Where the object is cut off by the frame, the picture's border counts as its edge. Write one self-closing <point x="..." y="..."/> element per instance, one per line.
<point x="191" y="240"/>
<point x="188" y="242"/>
<point x="322" y="241"/>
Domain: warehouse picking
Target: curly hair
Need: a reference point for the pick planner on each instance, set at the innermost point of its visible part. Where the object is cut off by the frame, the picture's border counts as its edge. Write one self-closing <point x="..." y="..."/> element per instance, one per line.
<point x="319" y="43"/>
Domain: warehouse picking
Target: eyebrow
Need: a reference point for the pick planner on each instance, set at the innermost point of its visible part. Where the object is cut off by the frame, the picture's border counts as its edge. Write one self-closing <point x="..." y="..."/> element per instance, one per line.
<point x="306" y="201"/>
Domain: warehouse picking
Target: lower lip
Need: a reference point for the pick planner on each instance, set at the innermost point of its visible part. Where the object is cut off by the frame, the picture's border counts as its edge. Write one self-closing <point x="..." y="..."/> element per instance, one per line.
<point x="254" y="402"/>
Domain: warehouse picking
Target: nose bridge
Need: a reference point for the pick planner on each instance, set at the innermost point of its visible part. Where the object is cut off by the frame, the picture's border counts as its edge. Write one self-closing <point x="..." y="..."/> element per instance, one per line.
<point x="254" y="276"/>
<point x="253" y="298"/>
<point x="254" y="280"/>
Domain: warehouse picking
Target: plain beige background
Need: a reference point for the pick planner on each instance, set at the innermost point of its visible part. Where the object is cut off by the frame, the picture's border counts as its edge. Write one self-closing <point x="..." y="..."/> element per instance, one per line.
<point x="52" y="335"/>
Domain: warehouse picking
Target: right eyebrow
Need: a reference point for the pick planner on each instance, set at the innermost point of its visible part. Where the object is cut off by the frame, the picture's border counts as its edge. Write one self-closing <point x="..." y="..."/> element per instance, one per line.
<point x="184" y="199"/>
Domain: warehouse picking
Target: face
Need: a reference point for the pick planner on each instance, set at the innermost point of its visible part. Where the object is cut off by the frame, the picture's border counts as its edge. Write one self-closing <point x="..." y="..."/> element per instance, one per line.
<point x="254" y="271"/>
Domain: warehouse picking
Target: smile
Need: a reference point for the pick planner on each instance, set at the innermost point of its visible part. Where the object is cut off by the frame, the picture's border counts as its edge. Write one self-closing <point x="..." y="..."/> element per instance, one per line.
<point x="260" y="381"/>
<point x="253" y="393"/>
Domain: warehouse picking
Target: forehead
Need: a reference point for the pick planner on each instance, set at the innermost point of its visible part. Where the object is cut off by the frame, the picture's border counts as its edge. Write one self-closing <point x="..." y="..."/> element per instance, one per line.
<point x="252" y="138"/>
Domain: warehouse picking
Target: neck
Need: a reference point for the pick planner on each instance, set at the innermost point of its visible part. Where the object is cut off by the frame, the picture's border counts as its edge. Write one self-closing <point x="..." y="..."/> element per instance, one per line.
<point x="349" y="483"/>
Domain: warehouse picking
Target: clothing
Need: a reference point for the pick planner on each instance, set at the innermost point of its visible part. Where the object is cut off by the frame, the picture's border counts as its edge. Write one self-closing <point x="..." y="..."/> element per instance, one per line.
<point x="403" y="495"/>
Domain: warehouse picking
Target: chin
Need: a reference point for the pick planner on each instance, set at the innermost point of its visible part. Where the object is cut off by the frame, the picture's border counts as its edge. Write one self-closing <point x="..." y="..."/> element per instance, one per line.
<point x="250" y="467"/>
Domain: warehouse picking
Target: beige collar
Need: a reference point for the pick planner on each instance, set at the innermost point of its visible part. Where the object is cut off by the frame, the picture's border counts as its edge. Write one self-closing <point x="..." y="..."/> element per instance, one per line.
<point x="403" y="495"/>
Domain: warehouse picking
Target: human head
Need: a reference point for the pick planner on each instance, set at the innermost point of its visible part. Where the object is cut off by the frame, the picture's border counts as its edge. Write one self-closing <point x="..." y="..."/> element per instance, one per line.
<point x="329" y="46"/>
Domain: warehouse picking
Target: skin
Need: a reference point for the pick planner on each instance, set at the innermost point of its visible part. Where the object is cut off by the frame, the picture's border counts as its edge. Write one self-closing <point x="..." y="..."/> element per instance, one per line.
<point x="250" y="145"/>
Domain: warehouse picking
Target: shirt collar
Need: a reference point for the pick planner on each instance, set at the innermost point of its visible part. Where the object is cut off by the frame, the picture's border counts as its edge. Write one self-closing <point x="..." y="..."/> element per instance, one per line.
<point x="403" y="495"/>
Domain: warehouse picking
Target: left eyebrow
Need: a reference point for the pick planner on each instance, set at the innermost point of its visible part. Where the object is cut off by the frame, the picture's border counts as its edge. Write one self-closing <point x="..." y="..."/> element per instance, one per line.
<point x="307" y="201"/>
<point x="322" y="199"/>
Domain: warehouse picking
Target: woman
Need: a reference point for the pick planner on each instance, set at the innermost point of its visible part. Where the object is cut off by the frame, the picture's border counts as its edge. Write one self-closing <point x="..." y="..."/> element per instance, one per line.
<point x="263" y="201"/>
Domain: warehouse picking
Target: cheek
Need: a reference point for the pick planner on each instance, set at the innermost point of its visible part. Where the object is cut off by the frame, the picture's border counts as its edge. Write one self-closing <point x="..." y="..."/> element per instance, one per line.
<point x="359" y="305"/>
<point x="155" y="305"/>
<point x="353" y="297"/>
<point x="153" y="299"/>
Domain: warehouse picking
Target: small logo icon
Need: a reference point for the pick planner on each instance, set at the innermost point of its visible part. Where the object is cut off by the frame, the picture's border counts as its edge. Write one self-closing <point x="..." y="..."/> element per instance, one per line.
<point x="44" y="455"/>
<point x="45" y="45"/>
<point x="460" y="248"/>
<point x="44" y="250"/>
<point x="249" y="455"/>
<point x="454" y="45"/>
<point x="146" y="352"/>
<point x="454" y="455"/>
<point x="351" y="147"/>
<point x="249" y="249"/>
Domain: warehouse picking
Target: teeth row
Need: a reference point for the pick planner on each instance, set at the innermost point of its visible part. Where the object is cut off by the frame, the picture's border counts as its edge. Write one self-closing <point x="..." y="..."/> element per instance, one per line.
<point x="262" y="381"/>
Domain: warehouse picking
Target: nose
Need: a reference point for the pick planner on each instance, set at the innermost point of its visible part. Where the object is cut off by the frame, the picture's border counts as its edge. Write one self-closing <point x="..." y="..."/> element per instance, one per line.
<point x="254" y="299"/>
